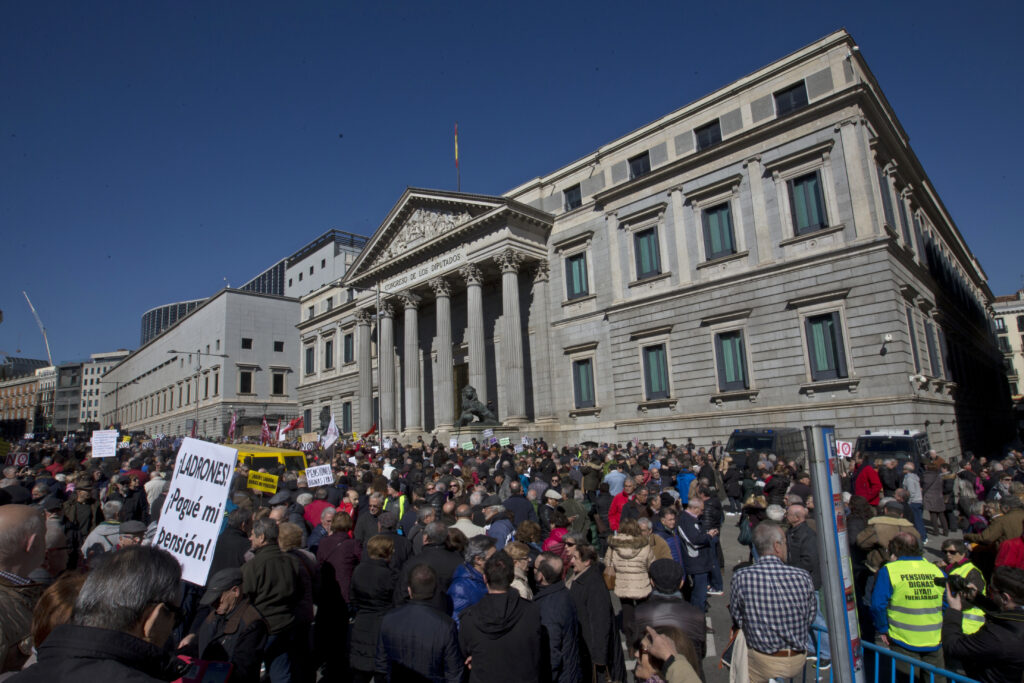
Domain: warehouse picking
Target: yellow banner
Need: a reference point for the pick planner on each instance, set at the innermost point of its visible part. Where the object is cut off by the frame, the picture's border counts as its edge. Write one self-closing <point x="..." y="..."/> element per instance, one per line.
<point x="260" y="481"/>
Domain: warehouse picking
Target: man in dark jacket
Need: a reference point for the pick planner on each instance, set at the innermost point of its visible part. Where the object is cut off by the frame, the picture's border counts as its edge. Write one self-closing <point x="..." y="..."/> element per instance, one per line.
<point x="665" y="606"/>
<point x="665" y="527"/>
<point x="416" y="641"/>
<point x="366" y="521"/>
<point x="436" y="555"/>
<point x="699" y="559"/>
<point x="993" y="654"/>
<point x="123" y="644"/>
<point x="271" y="582"/>
<point x="501" y="634"/>
<point x="468" y="585"/>
<point x="517" y="505"/>
<point x="802" y="543"/>
<point x="234" y="631"/>
<point x="601" y="652"/>
<point x="387" y="525"/>
<point x="558" y="618"/>
<point x="233" y="543"/>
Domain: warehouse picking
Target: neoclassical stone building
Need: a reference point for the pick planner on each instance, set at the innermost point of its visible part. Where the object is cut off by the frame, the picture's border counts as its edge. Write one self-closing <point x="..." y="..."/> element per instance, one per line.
<point x="772" y="254"/>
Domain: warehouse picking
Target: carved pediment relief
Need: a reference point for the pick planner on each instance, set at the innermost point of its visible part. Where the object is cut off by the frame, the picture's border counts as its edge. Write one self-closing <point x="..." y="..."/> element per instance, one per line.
<point x="422" y="226"/>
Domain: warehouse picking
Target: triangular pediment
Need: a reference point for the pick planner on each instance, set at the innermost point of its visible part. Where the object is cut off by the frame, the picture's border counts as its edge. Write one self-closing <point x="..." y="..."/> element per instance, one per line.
<point x="423" y="220"/>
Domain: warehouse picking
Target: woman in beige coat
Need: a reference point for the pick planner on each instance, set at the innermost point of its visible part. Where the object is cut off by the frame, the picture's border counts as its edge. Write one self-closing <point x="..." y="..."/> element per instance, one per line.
<point x="628" y="558"/>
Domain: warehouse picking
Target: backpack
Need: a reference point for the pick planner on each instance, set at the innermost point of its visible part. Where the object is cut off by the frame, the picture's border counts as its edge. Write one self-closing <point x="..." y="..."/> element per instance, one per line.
<point x="746" y="536"/>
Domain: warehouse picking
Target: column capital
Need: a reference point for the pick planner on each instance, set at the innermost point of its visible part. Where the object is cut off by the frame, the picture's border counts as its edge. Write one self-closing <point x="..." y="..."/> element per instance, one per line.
<point x="364" y="316"/>
<point x="471" y="274"/>
<point x="509" y="260"/>
<point x="409" y="300"/>
<point x="540" y="272"/>
<point x="386" y="309"/>
<point x="440" y="286"/>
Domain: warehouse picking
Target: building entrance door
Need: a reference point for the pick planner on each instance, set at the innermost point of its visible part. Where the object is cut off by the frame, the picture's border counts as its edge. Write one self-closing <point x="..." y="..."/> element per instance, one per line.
<point x="460" y="378"/>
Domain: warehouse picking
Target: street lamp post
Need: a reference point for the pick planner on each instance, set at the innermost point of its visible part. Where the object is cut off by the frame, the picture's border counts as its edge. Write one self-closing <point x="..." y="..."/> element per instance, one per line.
<point x="199" y="367"/>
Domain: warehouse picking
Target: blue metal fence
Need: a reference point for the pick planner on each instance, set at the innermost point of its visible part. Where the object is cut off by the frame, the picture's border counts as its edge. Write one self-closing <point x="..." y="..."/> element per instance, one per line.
<point x="880" y="666"/>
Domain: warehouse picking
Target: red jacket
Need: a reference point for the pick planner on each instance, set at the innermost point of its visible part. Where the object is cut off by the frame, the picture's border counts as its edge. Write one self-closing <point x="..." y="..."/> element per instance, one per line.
<point x="867" y="484"/>
<point x="615" y="511"/>
<point x="1011" y="553"/>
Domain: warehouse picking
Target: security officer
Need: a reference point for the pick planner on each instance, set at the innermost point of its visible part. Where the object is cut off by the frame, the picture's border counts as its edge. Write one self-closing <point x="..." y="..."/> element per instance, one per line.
<point x="907" y="604"/>
<point x="957" y="564"/>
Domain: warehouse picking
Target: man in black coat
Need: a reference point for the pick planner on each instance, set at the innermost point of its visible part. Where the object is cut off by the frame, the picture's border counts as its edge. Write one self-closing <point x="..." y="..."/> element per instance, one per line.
<point x="234" y="631"/>
<point x="387" y="525"/>
<point x="501" y="635"/>
<point x="993" y="654"/>
<point x="558" y="618"/>
<point x="436" y="555"/>
<point x="233" y="543"/>
<point x="517" y="505"/>
<point x="802" y="543"/>
<point x="601" y="652"/>
<point x="416" y="641"/>
<point x="698" y="553"/>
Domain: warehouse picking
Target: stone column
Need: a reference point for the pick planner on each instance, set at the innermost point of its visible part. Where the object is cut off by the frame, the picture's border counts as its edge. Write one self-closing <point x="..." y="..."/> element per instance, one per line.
<point x="475" y="321"/>
<point x="860" y="177"/>
<point x="411" y="364"/>
<point x="386" y="368"/>
<point x="443" y="379"/>
<point x="543" y="387"/>
<point x="512" y="337"/>
<point x="363" y="318"/>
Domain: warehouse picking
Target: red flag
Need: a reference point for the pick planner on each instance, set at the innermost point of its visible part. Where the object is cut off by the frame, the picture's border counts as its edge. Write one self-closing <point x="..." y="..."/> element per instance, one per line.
<point x="372" y="430"/>
<point x="294" y="424"/>
<point x="231" y="429"/>
<point x="265" y="432"/>
<point x="193" y="429"/>
<point x="279" y="435"/>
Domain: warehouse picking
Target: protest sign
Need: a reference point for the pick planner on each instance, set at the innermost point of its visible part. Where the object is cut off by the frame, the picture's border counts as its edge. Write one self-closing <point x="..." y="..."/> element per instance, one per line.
<point x="493" y="440"/>
<point x="261" y="481"/>
<point x="194" y="509"/>
<point x="526" y="441"/>
<point x="504" y="441"/>
<point x="312" y="437"/>
<point x="104" y="443"/>
<point x="518" y="448"/>
<point x="488" y="433"/>
<point x="386" y="444"/>
<point x="126" y="440"/>
<point x="467" y="446"/>
<point x="321" y="475"/>
<point x="453" y="443"/>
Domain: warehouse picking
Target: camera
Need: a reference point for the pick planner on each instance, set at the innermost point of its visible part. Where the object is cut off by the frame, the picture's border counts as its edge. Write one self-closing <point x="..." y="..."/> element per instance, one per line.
<point x="957" y="584"/>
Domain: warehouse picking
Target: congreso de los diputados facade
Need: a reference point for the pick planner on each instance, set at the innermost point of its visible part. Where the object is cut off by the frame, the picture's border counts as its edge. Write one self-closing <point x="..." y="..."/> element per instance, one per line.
<point x="770" y="255"/>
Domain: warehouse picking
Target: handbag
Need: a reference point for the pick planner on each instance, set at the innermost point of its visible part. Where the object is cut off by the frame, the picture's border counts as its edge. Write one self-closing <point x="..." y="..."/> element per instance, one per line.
<point x="609" y="578"/>
<point x="746" y="536"/>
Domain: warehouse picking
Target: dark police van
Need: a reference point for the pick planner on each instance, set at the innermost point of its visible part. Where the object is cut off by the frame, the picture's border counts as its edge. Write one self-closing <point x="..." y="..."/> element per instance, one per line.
<point x="901" y="445"/>
<point x="787" y="443"/>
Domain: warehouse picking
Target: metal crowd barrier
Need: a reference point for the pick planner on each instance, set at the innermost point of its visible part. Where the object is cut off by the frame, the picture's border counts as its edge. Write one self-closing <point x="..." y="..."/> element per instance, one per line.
<point x="884" y="666"/>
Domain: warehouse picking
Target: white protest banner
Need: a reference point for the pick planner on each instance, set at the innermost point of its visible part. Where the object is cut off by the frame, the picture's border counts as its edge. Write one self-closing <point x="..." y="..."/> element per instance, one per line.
<point x="387" y="444"/>
<point x="467" y="446"/>
<point x="488" y="433"/>
<point x="332" y="433"/>
<point x="453" y="443"/>
<point x="504" y="441"/>
<point x="518" y="448"/>
<point x="844" y="448"/>
<point x="526" y="441"/>
<point x="104" y="443"/>
<point x="321" y="475"/>
<point x="194" y="509"/>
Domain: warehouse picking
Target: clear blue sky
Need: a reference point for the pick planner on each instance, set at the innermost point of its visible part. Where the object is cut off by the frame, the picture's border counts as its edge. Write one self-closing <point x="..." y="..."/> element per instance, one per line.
<point x="148" y="150"/>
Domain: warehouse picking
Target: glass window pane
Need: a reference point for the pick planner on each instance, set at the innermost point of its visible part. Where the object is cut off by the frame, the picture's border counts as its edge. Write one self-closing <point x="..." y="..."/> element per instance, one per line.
<point x="807" y="203"/>
<point x="583" y="383"/>
<point x="656" y="372"/>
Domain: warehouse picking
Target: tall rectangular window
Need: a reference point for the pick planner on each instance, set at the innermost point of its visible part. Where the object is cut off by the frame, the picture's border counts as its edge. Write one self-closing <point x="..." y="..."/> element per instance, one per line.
<point x="718" y="235"/>
<point x="328" y="354"/>
<point x="310" y="360"/>
<point x="348" y="342"/>
<point x="1000" y="325"/>
<point x="216" y="384"/>
<point x="807" y="202"/>
<point x="1020" y="323"/>
<point x="913" y="339"/>
<point x="307" y="420"/>
<point x="933" y="349"/>
<point x="346" y="418"/>
<point x="573" y="197"/>
<point x="732" y="361"/>
<point x="708" y="135"/>
<point x="277" y="386"/>
<point x="883" y="189"/>
<point x="790" y="99"/>
<point x="825" y="347"/>
<point x="245" y="382"/>
<point x="905" y="223"/>
<point x="1004" y="344"/>
<point x="655" y="372"/>
<point x="648" y="256"/>
<point x="583" y="382"/>
<point x="206" y="387"/>
<point x="576" y="284"/>
<point x="639" y="165"/>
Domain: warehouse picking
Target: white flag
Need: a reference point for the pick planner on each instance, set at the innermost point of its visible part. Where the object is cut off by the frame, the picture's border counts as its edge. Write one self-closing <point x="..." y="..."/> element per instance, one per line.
<point x="332" y="433"/>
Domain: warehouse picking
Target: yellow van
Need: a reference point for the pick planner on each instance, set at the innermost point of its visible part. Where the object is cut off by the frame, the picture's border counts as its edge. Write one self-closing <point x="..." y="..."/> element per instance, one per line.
<point x="269" y="457"/>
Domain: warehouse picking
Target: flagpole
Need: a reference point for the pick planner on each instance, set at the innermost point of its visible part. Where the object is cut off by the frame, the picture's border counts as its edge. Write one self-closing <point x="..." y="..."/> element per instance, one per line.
<point x="458" y="171"/>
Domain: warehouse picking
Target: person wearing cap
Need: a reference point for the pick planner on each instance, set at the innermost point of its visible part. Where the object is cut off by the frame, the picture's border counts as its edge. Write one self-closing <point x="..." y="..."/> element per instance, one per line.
<point x="880" y="531"/>
<point x="551" y="500"/>
<point x="130" y="533"/>
<point x="665" y="606"/>
<point x="234" y="631"/>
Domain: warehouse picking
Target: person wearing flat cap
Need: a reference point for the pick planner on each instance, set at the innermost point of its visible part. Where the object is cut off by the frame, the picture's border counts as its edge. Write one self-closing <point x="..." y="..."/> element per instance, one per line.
<point x="130" y="533"/>
<point x="551" y="498"/>
<point x="234" y="631"/>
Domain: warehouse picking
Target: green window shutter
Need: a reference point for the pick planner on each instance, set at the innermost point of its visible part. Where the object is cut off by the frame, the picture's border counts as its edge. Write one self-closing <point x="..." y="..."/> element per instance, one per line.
<point x="732" y="365"/>
<point x="648" y="260"/>
<point x="656" y="372"/>
<point x="576" y="276"/>
<point x="807" y="203"/>
<point x="718" y="234"/>
<point x="583" y="383"/>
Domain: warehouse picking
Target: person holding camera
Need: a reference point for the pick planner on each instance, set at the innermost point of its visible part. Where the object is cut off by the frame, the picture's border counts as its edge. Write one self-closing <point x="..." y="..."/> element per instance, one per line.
<point x="957" y="564"/>
<point x="993" y="654"/>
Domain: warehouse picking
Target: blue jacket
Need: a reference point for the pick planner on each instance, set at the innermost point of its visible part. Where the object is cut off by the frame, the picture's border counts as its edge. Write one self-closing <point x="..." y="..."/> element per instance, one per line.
<point x="521" y="509"/>
<point x="698" y="556"/>
<point x="558" y="619"/>
<point x="683" y="480"/>
<point x="675" y="544"/>
<point x="502" y="531"/>
<point x="466" y="589"/>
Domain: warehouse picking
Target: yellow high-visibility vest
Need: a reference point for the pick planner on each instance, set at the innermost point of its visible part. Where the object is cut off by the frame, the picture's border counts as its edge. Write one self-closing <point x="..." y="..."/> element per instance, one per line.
<point x="974" y="618"/>
<point x="915" y="609"/>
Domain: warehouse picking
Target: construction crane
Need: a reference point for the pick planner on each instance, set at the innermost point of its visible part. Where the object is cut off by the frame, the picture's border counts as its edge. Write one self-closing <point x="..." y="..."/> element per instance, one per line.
<point x="42" y="328"/>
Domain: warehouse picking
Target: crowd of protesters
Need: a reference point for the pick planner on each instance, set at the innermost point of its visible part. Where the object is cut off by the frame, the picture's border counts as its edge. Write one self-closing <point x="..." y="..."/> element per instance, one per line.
<point x="564" y="564"/>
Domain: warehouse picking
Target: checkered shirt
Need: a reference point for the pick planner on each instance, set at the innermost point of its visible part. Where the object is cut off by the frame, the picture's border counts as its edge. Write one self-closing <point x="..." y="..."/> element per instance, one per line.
<point x="774" y="604"/>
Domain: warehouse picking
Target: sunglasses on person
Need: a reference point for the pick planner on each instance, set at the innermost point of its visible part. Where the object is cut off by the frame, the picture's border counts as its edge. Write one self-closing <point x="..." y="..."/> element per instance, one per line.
<point x="950" y="551"/>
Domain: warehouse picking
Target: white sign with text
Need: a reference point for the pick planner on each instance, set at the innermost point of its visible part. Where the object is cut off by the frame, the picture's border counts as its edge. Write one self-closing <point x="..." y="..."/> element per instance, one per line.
<point x="321" y="475"/>
<point x="104" y="443"/>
